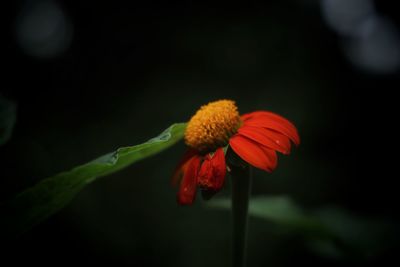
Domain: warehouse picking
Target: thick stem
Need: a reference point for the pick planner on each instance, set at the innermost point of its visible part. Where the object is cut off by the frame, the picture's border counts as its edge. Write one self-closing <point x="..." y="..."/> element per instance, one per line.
<point x="241" y="187"/>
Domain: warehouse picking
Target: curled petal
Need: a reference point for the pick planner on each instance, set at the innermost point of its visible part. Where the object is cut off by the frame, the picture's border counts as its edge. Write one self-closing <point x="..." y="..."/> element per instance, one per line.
<point x="205" y="173"/>
<point x="272" y="121"/>
<point x="213" y="170"/>
<point x="266" y="137"/>
<point x="253" y="153"/>
<point x="187" y="189"/>
<point x="182" y="165"/>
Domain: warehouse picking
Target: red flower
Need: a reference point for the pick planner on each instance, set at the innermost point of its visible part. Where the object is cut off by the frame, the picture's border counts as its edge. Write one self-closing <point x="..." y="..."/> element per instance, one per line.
<point x="254" y="137"/>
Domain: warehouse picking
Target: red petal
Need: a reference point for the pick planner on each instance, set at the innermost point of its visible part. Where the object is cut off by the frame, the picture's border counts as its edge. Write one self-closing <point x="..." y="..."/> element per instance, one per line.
<point x="253" y="153"/>
<point x="272" y="121"/>
<point x="182" y="165"/>
<point x="219" y="168"/>
<point x="212" y="172"/>
<point x="187" y="189"/>
<point x="205" y="173"/>
<point x="267" y="138"/>
<point x="271" y="154"/>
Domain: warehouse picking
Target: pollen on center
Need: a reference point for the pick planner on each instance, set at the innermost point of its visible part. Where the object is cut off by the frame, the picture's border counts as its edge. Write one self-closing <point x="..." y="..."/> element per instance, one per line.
<point x="212" y="126"/>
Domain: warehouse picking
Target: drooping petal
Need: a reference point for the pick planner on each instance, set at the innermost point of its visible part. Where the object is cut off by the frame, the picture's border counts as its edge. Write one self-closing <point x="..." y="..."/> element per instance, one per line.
<point x="182" y="165"/>
<point x="272" y="121"/>
<point x="266" y="137"/>
<point x="271" y="154"/>
<point x="205" y="173"/>
<point x="188" y="186"/>
<point x="253" y="153"/>
<point x="212" y="172"/>
<point x="219" y="168"/>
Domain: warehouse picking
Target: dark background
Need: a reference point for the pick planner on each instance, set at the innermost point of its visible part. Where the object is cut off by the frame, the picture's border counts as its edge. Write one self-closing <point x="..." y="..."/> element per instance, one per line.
<point x="89" y="78"/>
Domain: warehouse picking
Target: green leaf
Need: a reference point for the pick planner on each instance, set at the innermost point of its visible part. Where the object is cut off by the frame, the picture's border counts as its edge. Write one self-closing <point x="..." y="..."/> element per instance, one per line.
<point x="7" y="118"/>
<point x="332" y="232"/>
<point x="357" y="236"/>
<point x="50" y="195"/>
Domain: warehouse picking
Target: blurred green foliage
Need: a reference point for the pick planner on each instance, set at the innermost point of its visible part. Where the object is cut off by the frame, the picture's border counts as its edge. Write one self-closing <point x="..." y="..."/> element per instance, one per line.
<point x="329" y="231"/>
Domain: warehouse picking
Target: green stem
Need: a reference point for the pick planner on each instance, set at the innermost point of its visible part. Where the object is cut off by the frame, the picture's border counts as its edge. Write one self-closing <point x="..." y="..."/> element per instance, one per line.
<point x="241" y="187"/>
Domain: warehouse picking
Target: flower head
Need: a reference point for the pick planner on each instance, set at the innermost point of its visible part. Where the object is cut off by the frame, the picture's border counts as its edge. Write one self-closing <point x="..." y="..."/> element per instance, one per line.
<point x="254" y="137"/>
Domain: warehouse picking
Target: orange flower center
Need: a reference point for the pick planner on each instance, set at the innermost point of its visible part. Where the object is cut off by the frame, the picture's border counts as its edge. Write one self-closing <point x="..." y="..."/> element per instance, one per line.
<point x="212" y="126"/>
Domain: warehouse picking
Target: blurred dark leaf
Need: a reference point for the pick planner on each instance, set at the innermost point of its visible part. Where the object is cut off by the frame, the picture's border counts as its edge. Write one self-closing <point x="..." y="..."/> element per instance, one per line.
<point x="359" y="237"/>
<point x="331" y="232"/>
<point x="50" y="195"/>
<point x="7" y="118"/>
